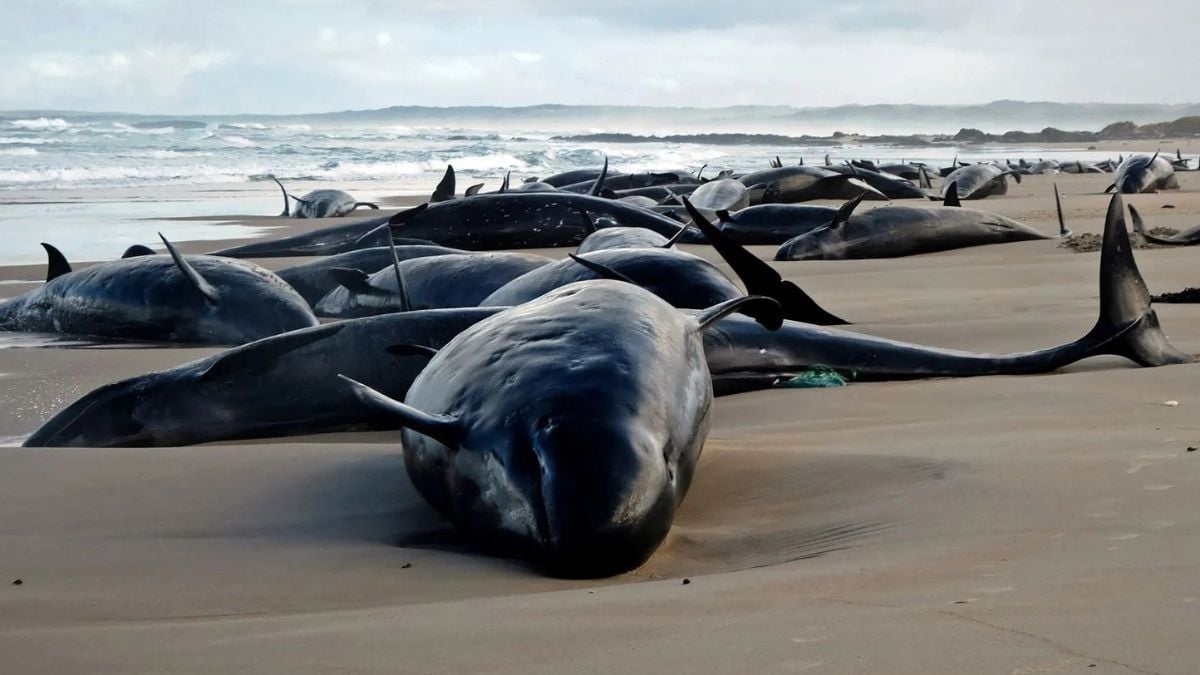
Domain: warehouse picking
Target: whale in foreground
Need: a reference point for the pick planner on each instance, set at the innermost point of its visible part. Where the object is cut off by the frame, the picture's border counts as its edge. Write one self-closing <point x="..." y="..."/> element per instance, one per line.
<point x="566" y="430"/>
<point x="169" y="298"/>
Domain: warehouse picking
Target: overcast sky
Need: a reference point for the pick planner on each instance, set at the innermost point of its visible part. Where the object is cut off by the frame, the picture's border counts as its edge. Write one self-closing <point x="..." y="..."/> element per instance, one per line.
<point x="280" y="56"/>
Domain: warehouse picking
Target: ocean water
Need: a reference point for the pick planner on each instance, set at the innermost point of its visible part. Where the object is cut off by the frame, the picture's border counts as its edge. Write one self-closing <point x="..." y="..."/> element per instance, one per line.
<point x="94" y="186"/>
<point x="49" y="152"/>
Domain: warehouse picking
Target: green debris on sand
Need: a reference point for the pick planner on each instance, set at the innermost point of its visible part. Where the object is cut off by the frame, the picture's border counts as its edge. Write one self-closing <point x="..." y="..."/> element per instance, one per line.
<point x="816" y="377"/>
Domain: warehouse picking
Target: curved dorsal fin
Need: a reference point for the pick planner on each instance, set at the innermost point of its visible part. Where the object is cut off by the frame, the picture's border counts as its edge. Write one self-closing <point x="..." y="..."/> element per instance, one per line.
<point x="136" y="251"/>
<point x="441" y="428"/>
<point x="407" y="215"/>
<point x="400" y="288"/>
<point x="1062" y="223"/>
<point x="473" y="190"/>
<point x="845" y="211"/>
<point x="354" y="280"/>
<point x="676" y="237"/>
<point x="952" y="195"/>
<point x="700" y="172"/>
<point x="759" y="277"/>
<point x="602" y="270"/>
<point x="287" y="209"/>
<point x="589" y="225"/>
<point x="598" y="186"/>
<point x="203" y="287"/>
<point x="56" y="262"/>
<point x="412" y="350"/>
<point x="251" y="357"/>
<point x="765" y="310"/>
<point x="445" y="188"/>
<point x="507" y="178"/>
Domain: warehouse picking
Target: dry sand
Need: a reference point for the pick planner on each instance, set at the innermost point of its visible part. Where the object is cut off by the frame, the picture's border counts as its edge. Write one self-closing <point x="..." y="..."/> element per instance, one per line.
<point x="990" y="525"/>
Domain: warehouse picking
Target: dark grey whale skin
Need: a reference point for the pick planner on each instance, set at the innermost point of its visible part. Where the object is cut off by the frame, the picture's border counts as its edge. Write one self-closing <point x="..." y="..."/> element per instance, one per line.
<point x="565" y="431"/>
<point x="312" y="279"/>
<point x="222" y="397"/>
<point x="148" y="298"/>
<point x="516" y="220"/>
<point x="438" y="282"/>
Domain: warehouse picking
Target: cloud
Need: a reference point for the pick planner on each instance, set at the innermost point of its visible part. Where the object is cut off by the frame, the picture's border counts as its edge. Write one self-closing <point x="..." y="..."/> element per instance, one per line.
<point x="161" y="56"/>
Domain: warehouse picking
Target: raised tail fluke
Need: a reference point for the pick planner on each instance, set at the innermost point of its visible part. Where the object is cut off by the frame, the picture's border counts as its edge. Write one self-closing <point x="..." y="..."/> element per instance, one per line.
<point x="1125" y="310"/>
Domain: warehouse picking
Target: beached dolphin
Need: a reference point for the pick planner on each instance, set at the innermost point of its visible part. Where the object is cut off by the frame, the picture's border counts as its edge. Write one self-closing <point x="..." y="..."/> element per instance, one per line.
<point x="892" y="187"/>
<point x="354" y="236"/>
<point x="980" y="180"/>
<point x="744" y="357"/>
<point x="320" y="203"/>
<point x="523" y="220"/>
<point x="441" y="282"/>
<point x="1143" y="173"/>
<point x="1042" y="167"/>
<point x="1188" y="237"/>
<point x="169" y="298"/>
<point x="221" y="397"/>
<point x="627" y="237"/>
<point x="790" y="184"/>
<point x="630" y="181"/>
<point x="773" y="223"/>
<point x="312" y="279"/>
<point x="278" y="386"/>
<point x="894" y="231"/>
<point x="724" y="194"/>
<point x="564" y="431"/>
<point x="1078" y="166"/>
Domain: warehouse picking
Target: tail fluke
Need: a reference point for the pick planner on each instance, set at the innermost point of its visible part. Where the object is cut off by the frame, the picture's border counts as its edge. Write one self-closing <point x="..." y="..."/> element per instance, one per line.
<point x="1125" y="308"/>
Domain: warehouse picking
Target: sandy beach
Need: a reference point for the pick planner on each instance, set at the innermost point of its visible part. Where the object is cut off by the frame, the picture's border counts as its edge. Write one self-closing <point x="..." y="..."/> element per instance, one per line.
<point x="989" y="525"/>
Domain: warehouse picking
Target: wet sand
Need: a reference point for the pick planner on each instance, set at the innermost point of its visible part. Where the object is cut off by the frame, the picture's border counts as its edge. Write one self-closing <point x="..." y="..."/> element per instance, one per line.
<point x="1001" y="524"/>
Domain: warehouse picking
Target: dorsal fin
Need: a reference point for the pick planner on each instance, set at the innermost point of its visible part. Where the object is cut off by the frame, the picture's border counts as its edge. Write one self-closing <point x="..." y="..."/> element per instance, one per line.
<point x="1154" y="157"/>
<point x="827" y="162"/>
<point x="504" y="185"/>
<point x="1139" y="227"/>
<point x="924" y="181"/>
<point x="302" y="200"/>
<point x="845" y="211"/>
<point x="136" y="251"/>
<point x="1062" y="223"/>
<point x="445" y="188"/>
<point x="700" y="171"/>
<point x="473" y="190"/>
<point x="759" y="277"/>
<point x="407" y="215"/>
<point x="203" y="287"/>
<point x="412" y="350"/>
<point x="598" y="186"/>
<point x="401" y="290"/>
<point x="441" y="428"/>
<point x="602" y="270"/>
<point x="801" y="161"/>
<point x="952" y="195"/>
<point x="253" y="356"/>
<point x="56" y="262"/>
<point x="765" y="310"/>
<point x="354" y="280"/>
<point x="287" y="208"/>
<point x="1178" y="154"/>
<point x="676" y="237"/>
<point x="723" y="215"/>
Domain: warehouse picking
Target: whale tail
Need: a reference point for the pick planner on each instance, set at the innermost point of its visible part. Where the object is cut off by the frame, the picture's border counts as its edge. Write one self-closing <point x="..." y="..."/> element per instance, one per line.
<point x="1128" y="325"/>
<point x="287" y="208"/>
